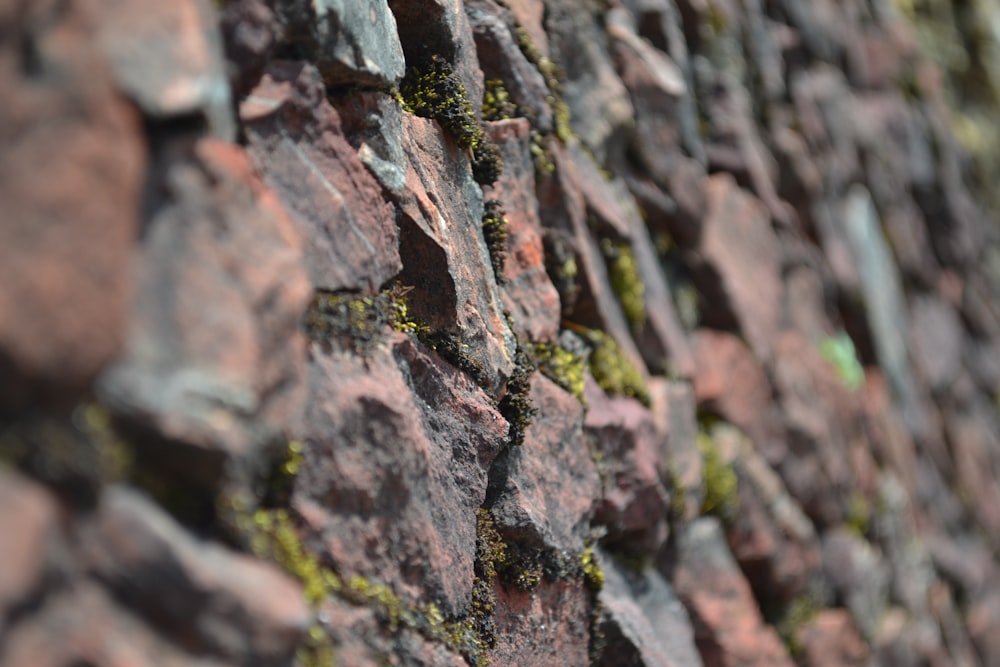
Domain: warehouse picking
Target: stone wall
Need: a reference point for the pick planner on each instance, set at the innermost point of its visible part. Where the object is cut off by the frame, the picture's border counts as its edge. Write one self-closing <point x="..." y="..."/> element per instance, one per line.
<point x="495" y="332"/>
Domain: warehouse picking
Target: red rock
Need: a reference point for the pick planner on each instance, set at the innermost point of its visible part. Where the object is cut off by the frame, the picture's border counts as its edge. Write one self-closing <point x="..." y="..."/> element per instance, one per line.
<point x="296" y="140"/>
<point x="215" y="355"/>
<point x="739" y="266"/>
<point x="548" y="626"/>
<point x="729" y="630"/>
<point x="398" y="445"/>
<point x="645" y="623"/>
<point x="256" y="614"/>
<point x="28" y="516"/>
<point x="937" y="344"/>
<point x="551" y="480"/>
<point x="71" y="217"/>
<point x="831" y="640"/>
<point x="528" y="294"/>
<point x="168" y="59"/>
<point x="635" y="504"/>
<point x="80" y="624"/>
<point x="730" y="383"/>
<point x="249" y="33"/>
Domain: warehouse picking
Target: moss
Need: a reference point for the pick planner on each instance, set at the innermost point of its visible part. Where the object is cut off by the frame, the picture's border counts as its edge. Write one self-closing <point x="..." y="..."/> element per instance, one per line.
<point x="553" y="77"/>
<point x="544" y="165"/>
<point x="613" y="371"/>
<point x="435" y="91"/>
<point x="516" y="406"/>
<point x="858" y="514"/>
<point x="359" y="321"/>
<point x="719" y="477"/>
<point x="562" y="366"/>
<point x="839" y="351"/>
<point x="497" y="104"/>
<point x="623" y="272"/>
<point x="455" y="352"/>
<point x="593" y="575"/>
<point x="495" y="233"/>
<point x="799" y="612"/>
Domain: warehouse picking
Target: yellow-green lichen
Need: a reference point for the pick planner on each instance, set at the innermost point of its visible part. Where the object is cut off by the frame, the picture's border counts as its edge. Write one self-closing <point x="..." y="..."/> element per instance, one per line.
<point x="719" y="478"/>
<point x="435" y="91"/>
<point x="562" y="366"/>
<point x="360" y="321"/>
<point x="623" y="273"/>
<point x="593" y="575"/>
<point x="612" y="370"/>
<point x="497" y="104"/>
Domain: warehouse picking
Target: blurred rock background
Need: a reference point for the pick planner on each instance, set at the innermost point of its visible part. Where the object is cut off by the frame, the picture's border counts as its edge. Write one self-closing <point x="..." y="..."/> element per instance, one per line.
<point x="520" y="332"/>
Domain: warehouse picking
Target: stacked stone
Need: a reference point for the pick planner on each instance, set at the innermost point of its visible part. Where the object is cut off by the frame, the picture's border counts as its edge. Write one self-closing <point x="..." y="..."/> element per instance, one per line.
<point x="510" y="332"/>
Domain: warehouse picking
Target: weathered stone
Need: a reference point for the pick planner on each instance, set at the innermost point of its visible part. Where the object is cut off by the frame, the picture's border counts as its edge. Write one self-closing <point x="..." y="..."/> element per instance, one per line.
<point x="527" y="292"/>
<point x="831" y="640"/>
<point x="673" y="407"/>
<point x="975" y="442"/>
<point x="602" y="112"/>
<point x="729" y="630"/>
<point x="860" y="577"/>
<point x="82" y="625"/>
<point x="256" y="614"/>
<point x="214" y="361"/>
<point x="547" y="626"/>
<point x="250" y="31"/>
<point x="169" y="60"/>
<point x="730" y="383"/>
<point x="398" y="445"/>
<point x="28" y="516"/>
<point x="770" y="537"/>
<point x="634" y="505"/>
<point x="351" y="43"/>
<point x="71" y="173"/>
<point x="503" y="60"/>
<point x="937" y="342"/>
<point x="645" y="623"/>
<point x="295" y="137"/>
<point x="551" y="482"/>
<point x="739" y="266"/>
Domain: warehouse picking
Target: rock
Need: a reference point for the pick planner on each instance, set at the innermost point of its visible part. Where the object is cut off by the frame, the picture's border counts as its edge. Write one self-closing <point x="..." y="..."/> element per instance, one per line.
<point x="645" y="623"/>
<point x="634" y="505"/>
<point x="71" y="218"/>
<point x="975" y="440"/>
<point x="550" y="481"/>
<point x="860" y="576"/>
<point x="673" y="408"/>
<point x="503" y="60"/>
<point x="351" y="44"/>
<point x="937" y="342"/>
<point x="30" y="513"/>
<point x="738" y="267"/>
<point x="295" y="137"/>
<point x="602" y="112"/>
<point x="729" y="630"/>
<point x="831" y="640"/>
<point x="169" y="60"/>
<point x="398" y="445"/>
<point x="250" y="31"/>
<point x="546" y="626"/>
<point x="254" y="613"/>
<point x="527" y="292"/>
<point x="214" y="362"/>
<point x="82" y="624"/>
<point x="731" y="384"/>
<point x="771" y="538"/>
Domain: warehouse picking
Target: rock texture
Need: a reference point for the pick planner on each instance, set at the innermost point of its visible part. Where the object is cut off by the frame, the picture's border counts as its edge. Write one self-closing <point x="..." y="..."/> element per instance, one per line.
<point x="660" y="333"/>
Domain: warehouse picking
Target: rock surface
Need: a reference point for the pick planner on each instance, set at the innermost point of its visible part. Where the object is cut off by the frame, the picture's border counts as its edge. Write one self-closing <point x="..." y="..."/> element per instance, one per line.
<point x="659" y="333"/>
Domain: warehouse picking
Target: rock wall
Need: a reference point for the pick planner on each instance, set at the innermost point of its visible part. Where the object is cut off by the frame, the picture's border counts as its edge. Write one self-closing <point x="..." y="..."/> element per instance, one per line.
<point x="495" y="332"/>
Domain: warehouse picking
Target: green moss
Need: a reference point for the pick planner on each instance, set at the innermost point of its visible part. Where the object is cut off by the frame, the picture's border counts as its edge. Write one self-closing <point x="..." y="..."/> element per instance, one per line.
<point x="562" y="366"/>
<point x="612" y="369"/>
<point x="497" y="104"/>
<point x="593" y="575"/>
<point x="516" y="406"/>
<point x="839" y="351"/>
<point x="858" y="513"/>
<point x="544" y="165"/>
<point x="495" y="233"/>
<point x="719" y="477"/>
<point x="799" y="612"/>
<point x="359" y="321"/>
<point x="435" y="91"/>
<point x="623" y="272"/>
<point x="553" y="77"/>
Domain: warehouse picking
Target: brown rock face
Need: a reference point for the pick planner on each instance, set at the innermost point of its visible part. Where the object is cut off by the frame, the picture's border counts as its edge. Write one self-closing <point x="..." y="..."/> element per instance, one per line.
<point x="647" y="333"/>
